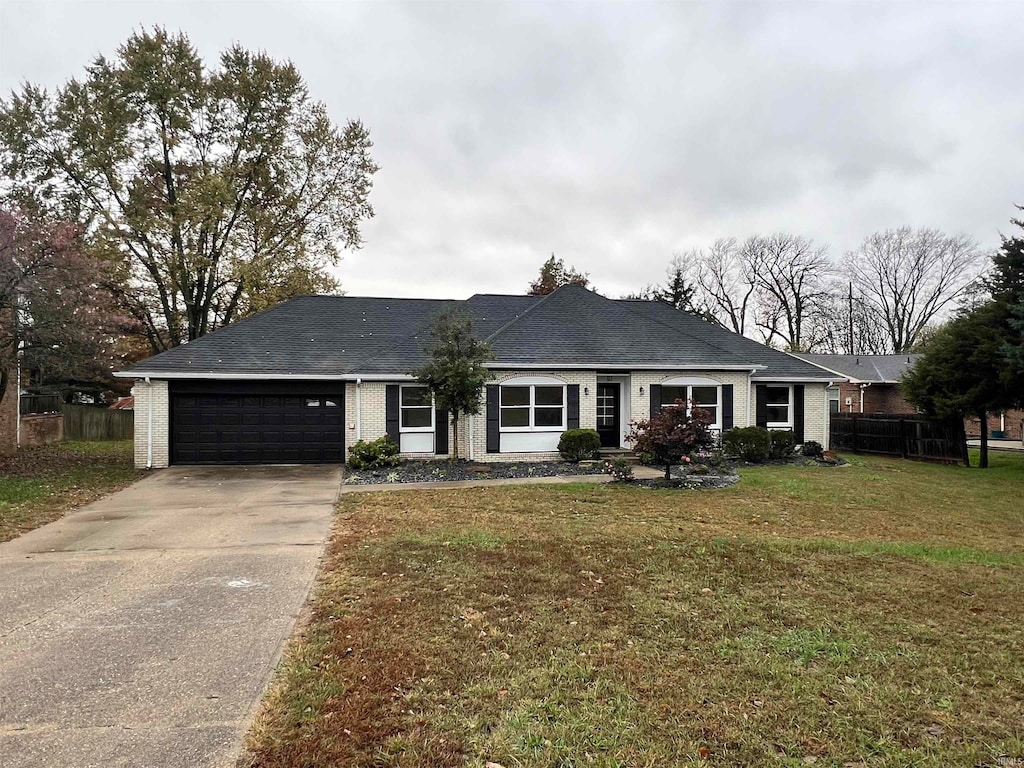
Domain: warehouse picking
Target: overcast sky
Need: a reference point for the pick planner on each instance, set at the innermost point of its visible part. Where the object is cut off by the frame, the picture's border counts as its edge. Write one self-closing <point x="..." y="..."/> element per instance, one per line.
<point x="615" y="134"/>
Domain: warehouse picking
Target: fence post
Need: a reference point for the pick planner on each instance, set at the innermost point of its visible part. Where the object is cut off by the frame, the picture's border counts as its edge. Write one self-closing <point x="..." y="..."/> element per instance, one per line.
<point x="854" y="438"/>
<point x="903" y="438"/>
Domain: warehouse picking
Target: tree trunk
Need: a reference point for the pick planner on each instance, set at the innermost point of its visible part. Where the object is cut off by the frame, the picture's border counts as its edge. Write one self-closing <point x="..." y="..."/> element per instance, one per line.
<point x="983" y="456"/>
<point x="455" y="436"/>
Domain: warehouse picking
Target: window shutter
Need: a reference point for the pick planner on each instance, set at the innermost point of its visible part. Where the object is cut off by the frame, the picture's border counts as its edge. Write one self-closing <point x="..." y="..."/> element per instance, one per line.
<point x="727" y="418"/>
<point x="493" y="425"/>
<point x="440" y="431"/>
<point x="655" y="398"/>
<point x="798" y="414"/>
<point x="572" y="401"/>
<point x="391" y="412"/>
<point x="761" y="403"/>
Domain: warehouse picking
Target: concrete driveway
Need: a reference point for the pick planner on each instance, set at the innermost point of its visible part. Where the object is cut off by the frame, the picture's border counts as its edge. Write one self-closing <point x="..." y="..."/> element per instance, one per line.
<point x="142" y="630"/>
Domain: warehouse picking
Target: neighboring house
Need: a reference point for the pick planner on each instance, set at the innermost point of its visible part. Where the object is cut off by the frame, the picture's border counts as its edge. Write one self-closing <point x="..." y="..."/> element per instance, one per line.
<point x="124" y="404"/>
<point x="305" y="380"/>
<point x="872" y="387"/>
<point x="872" y="382"/>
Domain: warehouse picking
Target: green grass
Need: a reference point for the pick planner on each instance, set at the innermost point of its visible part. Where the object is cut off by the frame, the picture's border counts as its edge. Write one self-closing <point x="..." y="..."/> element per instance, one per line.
<point x="40" y="484"/>
<point x="861" y="616"/>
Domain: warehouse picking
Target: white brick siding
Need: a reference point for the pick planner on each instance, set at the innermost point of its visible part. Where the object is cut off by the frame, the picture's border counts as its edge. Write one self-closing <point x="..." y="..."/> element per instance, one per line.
<point x="816" y="416"/>
<point x="161" y="423"/>
<point x="372" y="422"/>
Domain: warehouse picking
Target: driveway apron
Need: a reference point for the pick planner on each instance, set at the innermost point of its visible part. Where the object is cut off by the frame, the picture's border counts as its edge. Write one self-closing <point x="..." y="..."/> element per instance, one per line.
<point x="143" y="629"/>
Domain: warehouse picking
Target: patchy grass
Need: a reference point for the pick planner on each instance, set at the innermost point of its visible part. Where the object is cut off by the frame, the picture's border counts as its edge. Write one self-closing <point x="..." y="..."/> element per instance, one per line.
<point x="859" y="616"/>
<point x="41" y="484"/>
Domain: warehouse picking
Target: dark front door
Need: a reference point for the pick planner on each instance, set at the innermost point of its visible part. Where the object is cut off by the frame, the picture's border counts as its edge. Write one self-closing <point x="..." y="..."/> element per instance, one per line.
<point x="608" y="419"/>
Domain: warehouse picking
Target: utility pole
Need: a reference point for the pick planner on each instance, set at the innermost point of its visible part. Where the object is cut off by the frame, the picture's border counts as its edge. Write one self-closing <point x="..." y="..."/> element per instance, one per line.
<point x="850" y="315"/>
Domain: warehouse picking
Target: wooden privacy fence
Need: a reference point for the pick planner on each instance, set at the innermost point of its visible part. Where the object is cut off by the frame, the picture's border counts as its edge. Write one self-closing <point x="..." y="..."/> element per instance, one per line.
<point x="89" y="422"/>
<point x="39" y="404"/>
<point x="910" y="437"/>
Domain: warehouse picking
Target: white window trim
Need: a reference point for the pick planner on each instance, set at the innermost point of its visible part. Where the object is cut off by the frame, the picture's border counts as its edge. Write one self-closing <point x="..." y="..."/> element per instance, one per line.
<point x="401" y="407"/>
<point x="789" y="406"/>
<point x="689" y="384"/>
<point x="533" y="406"/>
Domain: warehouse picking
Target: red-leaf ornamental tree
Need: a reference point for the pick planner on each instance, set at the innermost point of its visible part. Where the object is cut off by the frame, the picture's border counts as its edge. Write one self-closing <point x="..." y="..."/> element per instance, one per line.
<point x="670" y="434"/>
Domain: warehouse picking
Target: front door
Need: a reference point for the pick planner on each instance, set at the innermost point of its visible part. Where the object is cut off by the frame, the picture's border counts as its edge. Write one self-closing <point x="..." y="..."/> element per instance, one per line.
<point x="608" y="420"/>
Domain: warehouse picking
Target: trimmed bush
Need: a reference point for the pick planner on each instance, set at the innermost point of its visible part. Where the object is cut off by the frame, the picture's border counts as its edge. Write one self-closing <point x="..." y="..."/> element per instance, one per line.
<point x="620" y="469"/>
<point x="579" y="444"/>
<point x="782" y="445"/>
<point x="376" y="454"/>
<point x="813" y="449"/>
<point x="752" y="444"/>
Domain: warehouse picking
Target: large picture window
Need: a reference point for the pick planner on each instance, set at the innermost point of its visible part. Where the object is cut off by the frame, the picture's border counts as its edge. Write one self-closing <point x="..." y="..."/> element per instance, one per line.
<point x="532" y="407"/>
<point x="417" y="409"/>
<point x="779" y="406"/>
<point x="708" y="397"/>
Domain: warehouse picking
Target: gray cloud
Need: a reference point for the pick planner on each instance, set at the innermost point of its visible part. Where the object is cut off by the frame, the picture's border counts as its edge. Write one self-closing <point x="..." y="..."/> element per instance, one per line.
<point x="616" y="134"/>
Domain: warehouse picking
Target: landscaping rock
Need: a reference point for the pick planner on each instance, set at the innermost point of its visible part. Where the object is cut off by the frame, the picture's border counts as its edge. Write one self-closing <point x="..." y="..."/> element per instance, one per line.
<point x="447" y="471"/>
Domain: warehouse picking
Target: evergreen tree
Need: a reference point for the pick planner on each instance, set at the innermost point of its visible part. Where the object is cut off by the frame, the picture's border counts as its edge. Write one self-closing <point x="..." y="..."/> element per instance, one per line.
<point x="553" y="275"/>
<point x="456" y="369"/>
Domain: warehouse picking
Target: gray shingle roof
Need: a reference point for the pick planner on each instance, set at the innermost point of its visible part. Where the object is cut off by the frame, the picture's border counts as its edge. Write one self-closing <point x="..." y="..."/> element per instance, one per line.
<point x="349" y="336"/>
<point x="877" y="369"/>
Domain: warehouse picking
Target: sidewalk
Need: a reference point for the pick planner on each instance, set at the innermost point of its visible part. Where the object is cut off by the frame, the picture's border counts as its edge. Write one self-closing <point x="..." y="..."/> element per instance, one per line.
<point x="998" y="445"/>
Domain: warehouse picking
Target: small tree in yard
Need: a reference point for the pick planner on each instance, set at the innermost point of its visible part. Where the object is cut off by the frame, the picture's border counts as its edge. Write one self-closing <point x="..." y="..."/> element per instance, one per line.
<point x="456" y="370"/>
<point x="671" y="434"/>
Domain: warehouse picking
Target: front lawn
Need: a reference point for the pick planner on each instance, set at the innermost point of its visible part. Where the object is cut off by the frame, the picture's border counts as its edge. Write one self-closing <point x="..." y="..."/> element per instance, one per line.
<point x="40" y="484"/>
<point x="869" y="615"/>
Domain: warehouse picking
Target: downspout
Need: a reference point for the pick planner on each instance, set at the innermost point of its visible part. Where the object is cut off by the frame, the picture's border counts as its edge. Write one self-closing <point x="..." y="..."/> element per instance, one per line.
<point x="469" y="430"/>
<point x="359" y="409"/>
<point x="751" y="395"/>
<point x="149" y="423"/>
<point x="862" y="388"/>
<point x="17" y="401"/>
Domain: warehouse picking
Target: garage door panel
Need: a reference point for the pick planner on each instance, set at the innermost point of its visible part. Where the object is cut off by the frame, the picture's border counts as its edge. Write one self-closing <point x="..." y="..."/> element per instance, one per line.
<point x="253" y="428"/>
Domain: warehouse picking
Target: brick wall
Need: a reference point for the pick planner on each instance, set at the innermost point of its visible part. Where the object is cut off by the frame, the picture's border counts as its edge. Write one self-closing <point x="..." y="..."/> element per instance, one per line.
<point x="1011" y="422"/>
<point x="369" y="399"/>
<point x="142" y="392"/>
<point x="41" y="429"/>
<point x="878" y="398"/>
<point x="9" y="418"/>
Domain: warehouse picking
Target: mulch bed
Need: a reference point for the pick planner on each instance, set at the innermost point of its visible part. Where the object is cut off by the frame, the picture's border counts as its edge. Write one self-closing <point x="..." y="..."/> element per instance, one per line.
<point x="438" y="471"/>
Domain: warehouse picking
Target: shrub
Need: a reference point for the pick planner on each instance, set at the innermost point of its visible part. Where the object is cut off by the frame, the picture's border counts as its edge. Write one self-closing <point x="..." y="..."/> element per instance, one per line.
<point x="782" y="445"/>
<point x="672" y="433"/>
<point x="752" y="444"/>
<point x="813" y="449"/>
<point x="579" y="444"/>
<point x="620" y="469"/>
<point x="375" y="454"/>
<point x="645" y="458"/>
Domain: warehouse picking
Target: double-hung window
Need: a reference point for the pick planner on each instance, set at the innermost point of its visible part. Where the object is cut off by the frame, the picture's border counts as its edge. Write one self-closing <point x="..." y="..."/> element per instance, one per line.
<point x="533" y="407"/>
<point x="417" y="409"/>
<point x="707" y="397"/>
<point x="779" y="406"/>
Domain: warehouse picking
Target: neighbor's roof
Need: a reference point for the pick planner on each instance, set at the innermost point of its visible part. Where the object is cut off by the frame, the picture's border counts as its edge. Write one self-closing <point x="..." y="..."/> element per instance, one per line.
<point x="349" y="336"/>
<point x="874" y="369"/>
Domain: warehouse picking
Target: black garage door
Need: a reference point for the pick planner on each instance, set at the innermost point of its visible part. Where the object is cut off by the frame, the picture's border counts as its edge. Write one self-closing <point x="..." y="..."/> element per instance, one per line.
<point x="257" y="423"/>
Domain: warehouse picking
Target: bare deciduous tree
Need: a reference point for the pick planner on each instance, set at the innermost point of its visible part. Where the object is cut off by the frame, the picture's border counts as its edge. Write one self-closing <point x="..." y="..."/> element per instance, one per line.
<point x="910" y="278"/>
<point x="792" y="274"/>
<point x="727" y="283"/>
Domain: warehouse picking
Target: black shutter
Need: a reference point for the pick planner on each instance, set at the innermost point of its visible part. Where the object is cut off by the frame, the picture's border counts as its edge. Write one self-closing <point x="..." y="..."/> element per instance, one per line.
<point x="798" y="414"/>
<point x="727" y="418"/>
<point x="655" y="398"/>
<point x="440" y="431"/>
<point x="391" y="412"/>
<point x="493" y="426"/>
<point x="761" y="403"/>
<point x="572" y="400"/>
